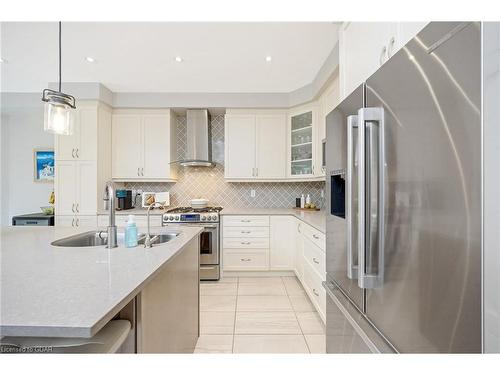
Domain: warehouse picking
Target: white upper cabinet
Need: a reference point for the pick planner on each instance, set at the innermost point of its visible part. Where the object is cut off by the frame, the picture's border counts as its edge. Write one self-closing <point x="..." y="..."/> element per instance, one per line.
<point x="363" y="49"/>
<point x="255" y="145"/>
<point x="271" y="146"/>
<point x="365" y="46"/>
<point x="327" y="101"/>
<point x="127" y="146"/>
<point x="82" y="144"/>
<point x="144" y="145"/>
<point x="239" y="146"/>
<point x="302" y="142"/>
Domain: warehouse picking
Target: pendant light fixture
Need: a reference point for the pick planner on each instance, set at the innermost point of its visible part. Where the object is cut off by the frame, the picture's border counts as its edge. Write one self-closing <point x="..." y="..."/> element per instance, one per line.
<point x="59" y="106"/>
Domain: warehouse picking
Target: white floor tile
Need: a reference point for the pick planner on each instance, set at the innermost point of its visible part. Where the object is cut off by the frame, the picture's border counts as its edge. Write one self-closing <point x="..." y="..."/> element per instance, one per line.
<point x="292" y="286"/>
<point x="214" y="344"/>
<point x="301" y="303"/>
<point x="316" y="343"/>
<point x="216" y="322"/>
<point x="260" y="280"/>
<point x="263" y="303"/>
<point x="217" y="303"/>
<point x="273" y="289"/>
<point x="271" y="322"/>
<point x="220" y="289"/>
<point x="270" y="344"/>
<point x="311" y="323"/>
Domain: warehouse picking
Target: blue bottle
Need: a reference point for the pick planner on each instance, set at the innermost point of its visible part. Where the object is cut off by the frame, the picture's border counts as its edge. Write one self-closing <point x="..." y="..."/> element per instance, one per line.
<point x="131" y="232"/>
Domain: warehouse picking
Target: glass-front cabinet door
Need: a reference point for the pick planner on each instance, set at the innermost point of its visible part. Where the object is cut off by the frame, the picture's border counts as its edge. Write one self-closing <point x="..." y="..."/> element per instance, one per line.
<point x="302" y="147"/>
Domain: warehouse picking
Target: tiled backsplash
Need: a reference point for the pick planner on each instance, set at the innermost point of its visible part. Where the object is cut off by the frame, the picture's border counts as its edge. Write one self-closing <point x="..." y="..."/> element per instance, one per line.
<point x="209" y="183"/>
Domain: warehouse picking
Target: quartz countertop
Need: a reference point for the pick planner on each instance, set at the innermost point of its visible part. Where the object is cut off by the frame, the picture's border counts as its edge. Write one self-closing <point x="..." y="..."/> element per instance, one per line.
<point x="72" y="292"/>
<point x="316" y="219"/>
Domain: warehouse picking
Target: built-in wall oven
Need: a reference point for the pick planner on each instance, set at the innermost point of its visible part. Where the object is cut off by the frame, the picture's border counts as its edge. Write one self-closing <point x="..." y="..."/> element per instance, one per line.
<point x="208" y="219"/>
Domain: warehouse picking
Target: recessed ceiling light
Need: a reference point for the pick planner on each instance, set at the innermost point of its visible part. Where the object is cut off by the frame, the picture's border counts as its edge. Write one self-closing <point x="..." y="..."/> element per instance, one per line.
<point x="89" y="59"/>
<point x="268" y="58"/>
<point x="178" y="58"/>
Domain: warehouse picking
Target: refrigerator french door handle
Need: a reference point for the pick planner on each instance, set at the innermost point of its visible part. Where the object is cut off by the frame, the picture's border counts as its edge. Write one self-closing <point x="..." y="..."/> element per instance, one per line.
<point x="352" y="126"/>
<point x="371" y="126"/>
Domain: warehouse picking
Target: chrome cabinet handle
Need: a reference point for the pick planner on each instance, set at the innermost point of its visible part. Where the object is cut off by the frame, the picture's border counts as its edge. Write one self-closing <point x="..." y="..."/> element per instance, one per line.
<point x="77" y="207"/>
<point x="382" y="55"/>
<point x="315" y="292"/>
<point x="315" y="236"/>
<point x="73" y="207"/>
<point x="390" y="49"/>
<point x="245" y="243"/>
<point x="73" y="222"/>
<point x="73" y="153"/>
<point x="256" y="172"/>
<point x="138" y="174"/>
<point x="315" y="261"/>
<point x="77" y="222"/>
<point x="298" y="228"/>
<point x="142" y="171"/>
<point x="76" y="153"/>
<point x="245" y="259"/>
<point x="246" y="231"/>
<point x="245" y="221"/>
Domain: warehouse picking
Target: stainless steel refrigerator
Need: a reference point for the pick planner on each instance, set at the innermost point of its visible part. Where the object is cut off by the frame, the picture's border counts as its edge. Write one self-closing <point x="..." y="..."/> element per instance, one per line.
<point x="403" y="162"/>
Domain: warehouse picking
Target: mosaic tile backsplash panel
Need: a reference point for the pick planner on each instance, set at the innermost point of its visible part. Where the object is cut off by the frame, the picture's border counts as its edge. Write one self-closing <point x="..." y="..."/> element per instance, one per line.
<point x="209" y="183"/>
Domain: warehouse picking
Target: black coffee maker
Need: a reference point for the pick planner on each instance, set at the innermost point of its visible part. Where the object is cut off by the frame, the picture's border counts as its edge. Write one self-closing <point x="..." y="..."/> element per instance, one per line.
<point x="124" y="199"/>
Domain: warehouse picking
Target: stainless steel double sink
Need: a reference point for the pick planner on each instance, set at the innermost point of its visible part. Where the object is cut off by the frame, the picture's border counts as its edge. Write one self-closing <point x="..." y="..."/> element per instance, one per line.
<point x="100" y="238"/>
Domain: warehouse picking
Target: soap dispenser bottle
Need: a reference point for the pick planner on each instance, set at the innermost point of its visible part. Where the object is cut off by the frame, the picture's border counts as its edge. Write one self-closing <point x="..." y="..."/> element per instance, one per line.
<point x="131" y="232"/>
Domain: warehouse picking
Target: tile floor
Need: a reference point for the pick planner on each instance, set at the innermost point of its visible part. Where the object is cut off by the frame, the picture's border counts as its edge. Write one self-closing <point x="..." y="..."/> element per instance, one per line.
<point x="258" y="315"/>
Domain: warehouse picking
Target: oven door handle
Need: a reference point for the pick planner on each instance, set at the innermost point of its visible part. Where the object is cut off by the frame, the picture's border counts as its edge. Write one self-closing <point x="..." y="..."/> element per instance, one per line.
<point x="204" y="226"/>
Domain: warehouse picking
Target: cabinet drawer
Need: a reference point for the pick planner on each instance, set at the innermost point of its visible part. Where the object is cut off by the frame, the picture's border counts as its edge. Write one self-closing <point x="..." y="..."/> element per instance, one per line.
<point x="246" y="243"/>
<point x="315" y="257"/>
<point x="314" y="288"/>
<point x="315" y="236"/>
<point x="246" y="221"/>
<point x="246" y="232"/>
<point x="245" y="260"/>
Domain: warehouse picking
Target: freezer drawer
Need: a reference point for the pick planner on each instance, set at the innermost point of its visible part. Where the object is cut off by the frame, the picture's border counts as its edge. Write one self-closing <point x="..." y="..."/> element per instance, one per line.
<point x="347" y="331"/>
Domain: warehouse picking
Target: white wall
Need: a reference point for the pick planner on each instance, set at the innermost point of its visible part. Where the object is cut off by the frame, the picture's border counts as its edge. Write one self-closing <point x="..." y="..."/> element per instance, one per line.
<point x="22" y="131"/>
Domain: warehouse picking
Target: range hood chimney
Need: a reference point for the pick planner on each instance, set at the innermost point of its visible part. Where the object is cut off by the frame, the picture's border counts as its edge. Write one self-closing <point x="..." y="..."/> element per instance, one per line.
<point x="199" y="139"/>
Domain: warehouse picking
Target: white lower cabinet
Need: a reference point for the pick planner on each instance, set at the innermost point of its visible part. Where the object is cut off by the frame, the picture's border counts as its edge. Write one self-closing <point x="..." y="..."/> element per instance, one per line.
<point x="277" y="243"/>
<point x="246" y="260"/>
<point x="76" y="221"/>
<point x="281" y="255"/>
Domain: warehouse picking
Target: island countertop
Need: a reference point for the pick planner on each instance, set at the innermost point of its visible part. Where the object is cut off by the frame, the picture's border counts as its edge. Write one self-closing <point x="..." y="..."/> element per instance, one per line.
<point x="50" y="291"/>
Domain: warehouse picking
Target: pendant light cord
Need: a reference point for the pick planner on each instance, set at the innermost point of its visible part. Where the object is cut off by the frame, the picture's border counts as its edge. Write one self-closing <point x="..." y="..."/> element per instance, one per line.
<point x="59" y="56"/>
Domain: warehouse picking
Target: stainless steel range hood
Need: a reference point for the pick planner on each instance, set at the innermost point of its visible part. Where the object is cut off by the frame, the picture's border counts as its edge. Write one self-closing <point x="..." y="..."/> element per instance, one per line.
<point x="199" y="139"/>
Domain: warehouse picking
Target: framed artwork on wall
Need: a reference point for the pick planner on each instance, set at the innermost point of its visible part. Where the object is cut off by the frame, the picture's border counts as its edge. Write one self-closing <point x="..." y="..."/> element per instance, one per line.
<point x="43" y="160"/>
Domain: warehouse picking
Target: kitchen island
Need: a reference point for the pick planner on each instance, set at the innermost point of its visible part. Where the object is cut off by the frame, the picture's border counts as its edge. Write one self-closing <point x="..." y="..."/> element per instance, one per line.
<point x="72" y="292"/>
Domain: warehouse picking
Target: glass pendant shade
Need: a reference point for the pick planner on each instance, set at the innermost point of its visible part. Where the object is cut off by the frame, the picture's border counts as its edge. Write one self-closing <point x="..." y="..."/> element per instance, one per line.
<point x="58" y="118"/>
<point x="59" y="107"/>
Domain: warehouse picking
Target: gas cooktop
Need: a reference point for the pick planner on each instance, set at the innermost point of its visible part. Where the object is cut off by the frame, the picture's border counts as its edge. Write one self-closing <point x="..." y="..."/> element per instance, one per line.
<point x="192" y="215"/>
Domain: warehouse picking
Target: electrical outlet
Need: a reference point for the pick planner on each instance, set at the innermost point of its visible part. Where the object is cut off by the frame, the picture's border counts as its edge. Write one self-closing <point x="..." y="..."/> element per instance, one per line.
<point x="139" y="192"/>
<point x="252" y="193"/>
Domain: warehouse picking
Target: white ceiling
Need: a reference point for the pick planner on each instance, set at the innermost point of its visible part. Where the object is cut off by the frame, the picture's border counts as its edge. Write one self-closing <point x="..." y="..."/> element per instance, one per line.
<point x="140" y="57"/>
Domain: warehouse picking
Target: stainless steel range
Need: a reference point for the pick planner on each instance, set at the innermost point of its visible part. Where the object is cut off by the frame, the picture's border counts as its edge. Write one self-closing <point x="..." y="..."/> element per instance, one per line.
<point x="208" y="219"/>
